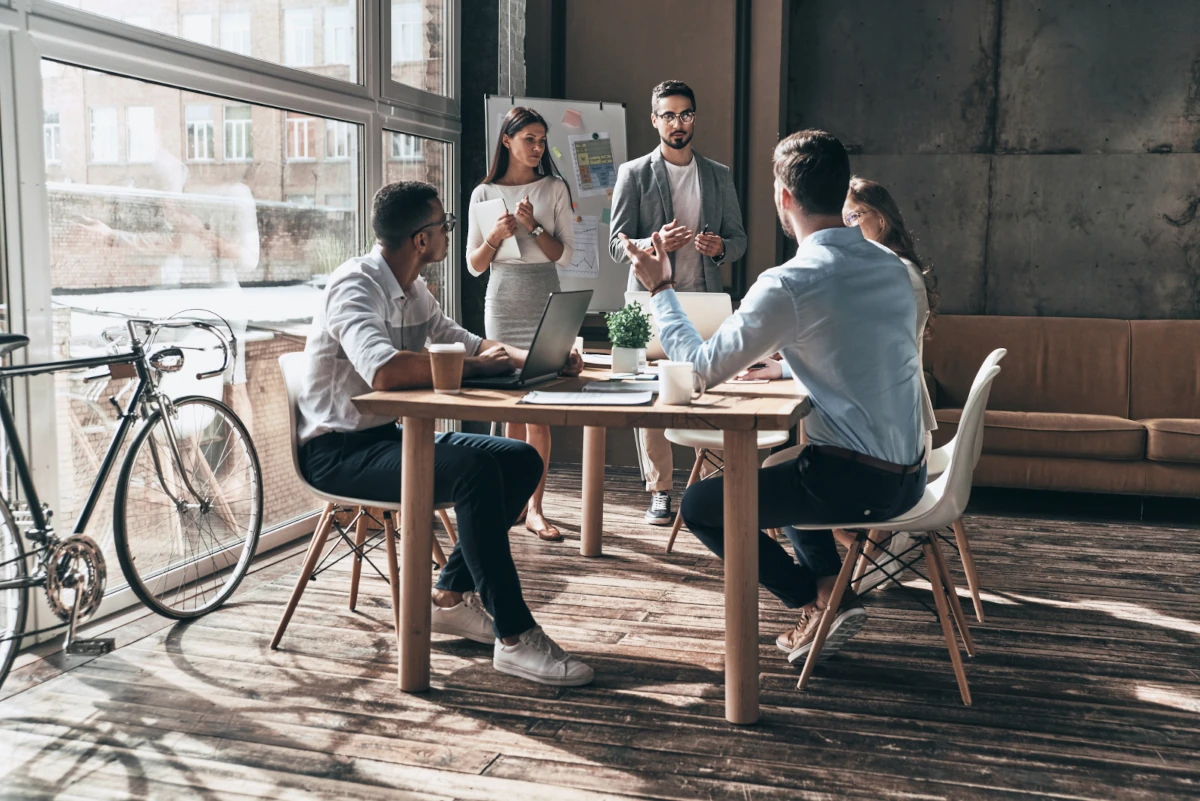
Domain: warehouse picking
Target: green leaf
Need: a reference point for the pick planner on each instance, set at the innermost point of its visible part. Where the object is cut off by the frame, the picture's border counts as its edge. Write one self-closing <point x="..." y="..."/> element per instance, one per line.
<point x="628" y="327"/>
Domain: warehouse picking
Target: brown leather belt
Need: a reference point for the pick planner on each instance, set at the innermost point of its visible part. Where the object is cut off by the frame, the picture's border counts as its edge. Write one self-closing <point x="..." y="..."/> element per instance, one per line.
<point x="869" y="461"/>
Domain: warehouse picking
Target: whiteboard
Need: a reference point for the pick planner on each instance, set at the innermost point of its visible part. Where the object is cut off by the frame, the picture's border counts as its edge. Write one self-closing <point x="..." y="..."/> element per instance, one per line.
<point x="608" y="286"/>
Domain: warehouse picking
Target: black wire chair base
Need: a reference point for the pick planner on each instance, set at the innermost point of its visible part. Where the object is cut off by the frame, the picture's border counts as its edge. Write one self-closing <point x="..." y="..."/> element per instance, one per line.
<point x="892" y="565"/>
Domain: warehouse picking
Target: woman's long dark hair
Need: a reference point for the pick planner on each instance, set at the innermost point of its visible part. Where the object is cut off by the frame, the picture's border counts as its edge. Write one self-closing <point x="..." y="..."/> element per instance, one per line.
<point x="517" y="119"/>
<point x="896" y="236"/>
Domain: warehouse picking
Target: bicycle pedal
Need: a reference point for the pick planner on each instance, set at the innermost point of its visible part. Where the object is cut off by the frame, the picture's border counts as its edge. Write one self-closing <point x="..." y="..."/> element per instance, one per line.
<point x="97" y="647"/>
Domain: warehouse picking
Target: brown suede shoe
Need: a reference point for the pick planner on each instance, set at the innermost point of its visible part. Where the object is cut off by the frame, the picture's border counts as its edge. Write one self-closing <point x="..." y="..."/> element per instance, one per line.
<point x="797" y="642"/>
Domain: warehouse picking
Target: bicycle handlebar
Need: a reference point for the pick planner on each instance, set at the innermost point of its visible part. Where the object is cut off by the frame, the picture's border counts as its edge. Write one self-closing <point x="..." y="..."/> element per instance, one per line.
<point x="227" y="343"/>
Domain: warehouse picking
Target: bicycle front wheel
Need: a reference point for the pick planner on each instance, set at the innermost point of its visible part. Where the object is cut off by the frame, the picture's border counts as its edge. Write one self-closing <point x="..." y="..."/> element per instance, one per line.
<point x="187" y="510"/>
<point x="14" y="598"/>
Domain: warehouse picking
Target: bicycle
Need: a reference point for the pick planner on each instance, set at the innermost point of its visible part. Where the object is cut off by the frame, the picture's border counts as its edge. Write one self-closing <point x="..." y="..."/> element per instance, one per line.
<point x="187" y="507"/>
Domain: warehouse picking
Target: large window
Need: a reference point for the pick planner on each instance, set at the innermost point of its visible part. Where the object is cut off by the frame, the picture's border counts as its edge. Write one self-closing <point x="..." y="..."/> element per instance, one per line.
<point x="278" y="31"/>
<point x="214" y="220"/>
<point x="430" y="166"/>
<point x="419" y="43"/>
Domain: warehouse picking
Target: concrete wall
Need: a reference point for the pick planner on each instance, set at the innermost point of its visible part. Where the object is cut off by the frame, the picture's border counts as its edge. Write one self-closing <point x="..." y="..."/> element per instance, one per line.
<point x="687" y="40"/>
<point x="1047" y="155"/>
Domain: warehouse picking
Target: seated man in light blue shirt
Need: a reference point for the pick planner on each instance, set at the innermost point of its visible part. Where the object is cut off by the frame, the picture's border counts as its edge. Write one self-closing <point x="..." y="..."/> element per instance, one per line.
<point x="842" y="314"/>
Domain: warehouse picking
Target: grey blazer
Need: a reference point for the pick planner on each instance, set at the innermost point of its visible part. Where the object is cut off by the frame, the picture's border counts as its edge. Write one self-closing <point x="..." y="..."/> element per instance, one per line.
<point x="642" y="205"/>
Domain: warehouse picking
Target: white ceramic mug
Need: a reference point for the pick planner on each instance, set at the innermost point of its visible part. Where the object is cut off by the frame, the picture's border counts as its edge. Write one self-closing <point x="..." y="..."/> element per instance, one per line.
<point x="678" y="383"/>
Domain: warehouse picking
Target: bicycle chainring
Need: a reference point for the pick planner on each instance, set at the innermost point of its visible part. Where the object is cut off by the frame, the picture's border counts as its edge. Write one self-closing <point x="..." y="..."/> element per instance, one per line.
<point x="75" y="564"/>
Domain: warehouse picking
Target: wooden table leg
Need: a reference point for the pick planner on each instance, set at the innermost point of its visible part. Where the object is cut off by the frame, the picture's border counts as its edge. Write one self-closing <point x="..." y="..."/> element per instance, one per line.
<point x="593" y="490"/>
<point x="741" y="577"/>
<point x="416" y="536"/>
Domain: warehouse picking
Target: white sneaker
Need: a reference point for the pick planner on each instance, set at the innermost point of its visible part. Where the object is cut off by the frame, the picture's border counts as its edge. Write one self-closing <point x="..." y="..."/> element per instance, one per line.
<point x="890" y="566"/>
<point x="468" y="619"/>
<point x="538" y="658"/>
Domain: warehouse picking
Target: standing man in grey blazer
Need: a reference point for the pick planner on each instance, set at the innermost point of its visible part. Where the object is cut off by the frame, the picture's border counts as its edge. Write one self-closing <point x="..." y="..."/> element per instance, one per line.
<point x="690" y="201"/>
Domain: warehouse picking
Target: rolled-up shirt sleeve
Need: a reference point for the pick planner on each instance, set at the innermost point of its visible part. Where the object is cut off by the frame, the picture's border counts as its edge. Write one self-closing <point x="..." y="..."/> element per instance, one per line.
<point x="354" y="314"/>
<point x="763" y="324"/>
<point x="443" y="330"/>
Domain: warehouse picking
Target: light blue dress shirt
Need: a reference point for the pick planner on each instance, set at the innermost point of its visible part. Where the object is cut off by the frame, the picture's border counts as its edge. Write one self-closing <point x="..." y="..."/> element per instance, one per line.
<point x="842" y="314"/>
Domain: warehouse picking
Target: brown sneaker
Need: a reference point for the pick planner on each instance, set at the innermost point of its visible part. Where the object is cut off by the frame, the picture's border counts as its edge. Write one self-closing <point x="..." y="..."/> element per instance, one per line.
<point x="797" y="642"/>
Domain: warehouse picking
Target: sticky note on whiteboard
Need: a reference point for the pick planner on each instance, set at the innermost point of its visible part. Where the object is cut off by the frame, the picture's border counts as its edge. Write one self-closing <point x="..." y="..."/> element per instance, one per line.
<point x="572" y="118"/>
<point x="557" y="153"/>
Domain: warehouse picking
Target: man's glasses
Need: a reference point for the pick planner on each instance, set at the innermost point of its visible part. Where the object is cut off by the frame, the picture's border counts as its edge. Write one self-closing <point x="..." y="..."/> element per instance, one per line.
<point x="669" y="117"/>
<point x="853" y="218"/>
<point x="448" y="222"/>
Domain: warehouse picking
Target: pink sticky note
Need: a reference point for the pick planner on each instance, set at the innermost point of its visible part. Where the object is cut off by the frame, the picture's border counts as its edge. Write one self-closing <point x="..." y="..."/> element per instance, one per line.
<point x="572" y="118"/>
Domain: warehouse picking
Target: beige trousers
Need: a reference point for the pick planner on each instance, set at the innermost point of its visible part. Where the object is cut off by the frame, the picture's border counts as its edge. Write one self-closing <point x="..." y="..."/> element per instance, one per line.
<point x="658" y="461"/>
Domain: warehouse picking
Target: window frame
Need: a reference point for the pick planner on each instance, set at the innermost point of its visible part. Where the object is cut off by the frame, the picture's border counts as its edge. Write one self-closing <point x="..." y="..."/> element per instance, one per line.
<point x="247" y="31"/>
<point x="41" y="29"/>
<point x="115" y="129"/>
<point x="146" y="158"/>
<point x="290" y="42"/>
<point x="190" y="137"/>
<point x="237" y="130"/>
<point x="52" y="131"/>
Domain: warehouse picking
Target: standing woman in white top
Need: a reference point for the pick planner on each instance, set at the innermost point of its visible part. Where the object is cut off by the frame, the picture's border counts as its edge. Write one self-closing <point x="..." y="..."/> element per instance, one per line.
<point x="540" y="216"/>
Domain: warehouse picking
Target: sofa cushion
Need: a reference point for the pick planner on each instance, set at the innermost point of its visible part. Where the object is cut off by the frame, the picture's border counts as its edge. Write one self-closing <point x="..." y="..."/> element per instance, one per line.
<point x="1054" y="364"/>
<point x="1066" y="436"/>
<point x="1172" y="440"/>
<point x="1165" y="382"/>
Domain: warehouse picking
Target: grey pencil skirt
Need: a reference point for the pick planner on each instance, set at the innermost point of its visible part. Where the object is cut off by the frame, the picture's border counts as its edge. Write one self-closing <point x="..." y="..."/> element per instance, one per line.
<point x="516" y="297"/>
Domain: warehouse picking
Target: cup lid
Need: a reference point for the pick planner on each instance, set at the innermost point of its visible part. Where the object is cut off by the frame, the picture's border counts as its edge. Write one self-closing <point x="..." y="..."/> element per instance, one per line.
<point x="448" y="347"/>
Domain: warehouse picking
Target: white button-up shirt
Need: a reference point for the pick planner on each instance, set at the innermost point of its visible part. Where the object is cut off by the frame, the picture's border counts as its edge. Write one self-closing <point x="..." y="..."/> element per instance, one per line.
<point x="367" y="318"/>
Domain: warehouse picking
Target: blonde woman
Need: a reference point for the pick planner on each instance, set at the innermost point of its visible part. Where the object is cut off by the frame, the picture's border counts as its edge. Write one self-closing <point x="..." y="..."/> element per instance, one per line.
<point x="539" y="215"/>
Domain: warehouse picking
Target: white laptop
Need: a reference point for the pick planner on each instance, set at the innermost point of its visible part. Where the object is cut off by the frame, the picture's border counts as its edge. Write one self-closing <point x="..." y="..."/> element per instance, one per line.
<point x="706" y="310"/>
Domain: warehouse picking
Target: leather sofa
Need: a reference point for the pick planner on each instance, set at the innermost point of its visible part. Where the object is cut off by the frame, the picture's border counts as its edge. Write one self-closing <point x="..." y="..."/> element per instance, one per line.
<point x="1087" y="405"/>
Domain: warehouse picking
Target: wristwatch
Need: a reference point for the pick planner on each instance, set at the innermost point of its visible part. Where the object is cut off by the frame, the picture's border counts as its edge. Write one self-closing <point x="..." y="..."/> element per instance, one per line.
<point x="536" y="232"/>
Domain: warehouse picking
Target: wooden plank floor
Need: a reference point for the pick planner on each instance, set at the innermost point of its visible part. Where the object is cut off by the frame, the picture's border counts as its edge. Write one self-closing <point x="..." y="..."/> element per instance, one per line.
<point x="1087" y="685"/>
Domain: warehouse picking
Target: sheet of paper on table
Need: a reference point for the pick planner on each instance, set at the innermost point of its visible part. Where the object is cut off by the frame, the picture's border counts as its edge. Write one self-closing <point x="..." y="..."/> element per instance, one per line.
<point x="545" y="398"/>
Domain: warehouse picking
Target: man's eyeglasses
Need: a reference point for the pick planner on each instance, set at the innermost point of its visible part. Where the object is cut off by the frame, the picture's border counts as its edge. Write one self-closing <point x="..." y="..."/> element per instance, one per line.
<point x="448" y="222"/>
<point x="669" y="117"/>
<point x="853" y="218"/>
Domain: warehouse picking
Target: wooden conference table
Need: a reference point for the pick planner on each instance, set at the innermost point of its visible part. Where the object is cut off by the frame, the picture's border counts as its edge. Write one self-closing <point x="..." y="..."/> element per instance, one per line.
<point x="739" y="410"/>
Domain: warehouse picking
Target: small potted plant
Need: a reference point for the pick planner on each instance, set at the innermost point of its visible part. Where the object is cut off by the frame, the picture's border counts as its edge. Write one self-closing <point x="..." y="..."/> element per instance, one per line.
<point x="629" y="331"/>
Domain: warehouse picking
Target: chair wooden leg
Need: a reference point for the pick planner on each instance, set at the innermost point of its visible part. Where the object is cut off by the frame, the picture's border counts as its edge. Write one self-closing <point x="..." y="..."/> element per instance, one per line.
<point x="872" y="549"/>
<point x="939" y="599"/>
<point x="956" y="609"/>
<point x="968" y="560"/>
<point x="439" y="555"/>
<point x="360" y="536"/>
<point x="315" y="548"/>
<point x="831" y="610"/>
<point x="389" y="537"/>
<point x="449" y="524"/>
<point x="679" y="512"/>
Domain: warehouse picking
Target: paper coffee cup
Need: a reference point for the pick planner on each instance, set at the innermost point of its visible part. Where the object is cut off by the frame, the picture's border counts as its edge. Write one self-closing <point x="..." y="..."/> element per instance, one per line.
<point x="446" y="361"/>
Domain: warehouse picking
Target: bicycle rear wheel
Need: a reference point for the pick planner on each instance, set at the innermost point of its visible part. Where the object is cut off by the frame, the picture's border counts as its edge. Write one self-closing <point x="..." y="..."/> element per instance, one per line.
<point x="14" y="601"/>
<point x="184" y="554"/>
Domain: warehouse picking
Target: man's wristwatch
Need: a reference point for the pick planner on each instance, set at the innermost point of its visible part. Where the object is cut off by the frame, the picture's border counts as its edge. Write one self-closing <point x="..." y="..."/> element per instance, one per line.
<point x="536" y="232"/>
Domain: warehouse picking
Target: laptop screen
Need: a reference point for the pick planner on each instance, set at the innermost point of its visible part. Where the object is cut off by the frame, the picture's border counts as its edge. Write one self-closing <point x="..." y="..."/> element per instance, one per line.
<point x="561" y="321"/>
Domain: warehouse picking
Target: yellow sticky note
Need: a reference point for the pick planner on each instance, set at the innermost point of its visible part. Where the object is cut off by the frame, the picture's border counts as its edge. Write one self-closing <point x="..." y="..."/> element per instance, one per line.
<point x="555" y="151"/>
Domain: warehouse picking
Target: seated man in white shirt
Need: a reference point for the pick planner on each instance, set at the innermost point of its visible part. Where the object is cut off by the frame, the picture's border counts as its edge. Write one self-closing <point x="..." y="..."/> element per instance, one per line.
<point x="842" y="314"/>
<point x="371" y="334"/>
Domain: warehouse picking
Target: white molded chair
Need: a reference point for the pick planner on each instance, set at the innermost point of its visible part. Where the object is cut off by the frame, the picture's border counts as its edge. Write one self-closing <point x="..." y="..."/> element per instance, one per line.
<point x="293" y="366"/>
<point x="938" y="462"/>
<point x="706" y="443"/>
<point x="943" y="503"/>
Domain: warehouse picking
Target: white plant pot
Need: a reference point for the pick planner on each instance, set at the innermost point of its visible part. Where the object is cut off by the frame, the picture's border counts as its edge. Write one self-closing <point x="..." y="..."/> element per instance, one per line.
<point x="625" y="360"/>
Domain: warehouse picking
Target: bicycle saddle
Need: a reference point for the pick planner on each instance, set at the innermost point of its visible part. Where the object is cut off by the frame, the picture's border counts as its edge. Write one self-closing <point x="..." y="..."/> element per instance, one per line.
<point x="11" y="342"/>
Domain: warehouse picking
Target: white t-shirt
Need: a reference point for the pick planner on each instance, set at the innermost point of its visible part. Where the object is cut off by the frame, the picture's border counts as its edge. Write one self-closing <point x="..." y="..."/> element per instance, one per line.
<point x="685" y="199"/>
